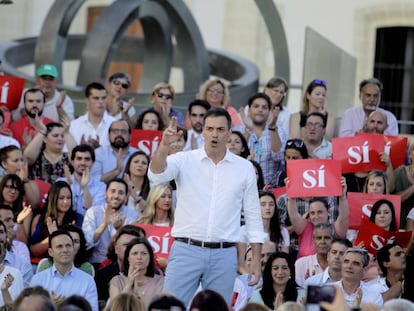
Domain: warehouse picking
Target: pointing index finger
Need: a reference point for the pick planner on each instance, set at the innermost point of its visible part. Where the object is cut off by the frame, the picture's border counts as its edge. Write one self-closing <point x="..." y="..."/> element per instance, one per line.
<point x="173" y="122"/>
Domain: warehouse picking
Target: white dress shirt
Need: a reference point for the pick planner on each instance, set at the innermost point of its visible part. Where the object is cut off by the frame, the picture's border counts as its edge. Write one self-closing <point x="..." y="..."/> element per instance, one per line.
<point x="210" y="196"/>
<point x="199" y="138"/>
<point x="369" y="294"/>
<point x="82" y="126"/>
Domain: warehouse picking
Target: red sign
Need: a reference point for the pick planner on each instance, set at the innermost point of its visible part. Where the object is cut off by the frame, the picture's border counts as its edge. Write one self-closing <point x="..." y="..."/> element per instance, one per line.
<point x="279" y="191"/>
<point x="11" y="89"/>
<point x="313" y="178"/>
<point x="160" y="239"/>
<point x="395" y="147"/>
<point x="375" y="237"/>
<point x="359" y="153"/>
<point x="146" y="140"/>
<point x="360" y="205"/>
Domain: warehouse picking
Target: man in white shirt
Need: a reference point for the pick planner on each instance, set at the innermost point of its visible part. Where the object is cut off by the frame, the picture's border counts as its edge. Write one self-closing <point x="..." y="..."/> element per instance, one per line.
<point x="47" y="80"/>
<point x="392" y="262"/>
<point x="213" y="186"/>
<point x="355" y="291"/>
<point x="196" y="110"/>
<point x="333" y="272"/>
<point x="313" y="264"/>
<point x="354" y="118"/>
<point x="103" y="221"/>
<point x="92" y="127"/>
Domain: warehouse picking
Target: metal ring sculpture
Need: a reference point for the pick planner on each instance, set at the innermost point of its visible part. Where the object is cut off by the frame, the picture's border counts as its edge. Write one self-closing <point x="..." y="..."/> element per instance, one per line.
<point x="171" y="38"/>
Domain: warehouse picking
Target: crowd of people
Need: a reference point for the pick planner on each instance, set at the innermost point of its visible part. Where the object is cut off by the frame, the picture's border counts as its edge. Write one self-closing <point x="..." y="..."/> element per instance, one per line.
<point x="76" y="199"/>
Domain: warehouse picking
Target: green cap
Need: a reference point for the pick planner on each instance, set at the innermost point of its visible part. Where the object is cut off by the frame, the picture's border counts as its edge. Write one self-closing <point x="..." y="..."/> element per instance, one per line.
<point x="47" y="70"/>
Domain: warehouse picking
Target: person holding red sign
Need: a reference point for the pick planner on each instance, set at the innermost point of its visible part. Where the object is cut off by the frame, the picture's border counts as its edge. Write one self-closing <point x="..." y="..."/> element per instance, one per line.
<point x="318" y="213"/>
<point x="404" y="186"/>
<point x="313" y="101"/>
<point x="213" y="186"/>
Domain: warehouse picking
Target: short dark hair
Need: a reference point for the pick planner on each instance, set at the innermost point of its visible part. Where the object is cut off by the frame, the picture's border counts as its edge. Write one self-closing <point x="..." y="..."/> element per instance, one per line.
<point x="93" y="86"/>
<point x="120" y="120"/>
<point x="165" y="302"/>
<point x="199" y="102"/>
<point x="57" y="233"/>
<point x="374" y="81"/>
<point x="34" y="90"/>
<point x="383" y="255"/>
<point x="127" y="229"/>
<point x="120" y="75"/>
<point x="343" y="241"/>
<point x="323" y="200"/>
<point x="118" y="180"/>
<point x="83" y="148"/>
<point x="218" y="112"/>
<point x="317" y="114"/>
<point x="260" y="95"/>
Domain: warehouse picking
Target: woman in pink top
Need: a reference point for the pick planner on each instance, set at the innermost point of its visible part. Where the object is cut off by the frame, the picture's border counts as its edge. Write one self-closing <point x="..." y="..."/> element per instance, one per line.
<point x="318" y="213"/>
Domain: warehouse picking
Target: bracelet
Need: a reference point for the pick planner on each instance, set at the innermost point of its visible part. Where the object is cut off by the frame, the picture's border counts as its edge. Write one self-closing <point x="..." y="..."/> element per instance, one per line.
<point x="44" y="133"/>
<point x="26" y="181"/>
<point x="272" y="129"/>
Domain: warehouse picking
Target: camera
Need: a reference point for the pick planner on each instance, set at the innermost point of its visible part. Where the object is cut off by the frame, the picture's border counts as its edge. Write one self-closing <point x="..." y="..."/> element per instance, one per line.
<point x="316" y="294"/>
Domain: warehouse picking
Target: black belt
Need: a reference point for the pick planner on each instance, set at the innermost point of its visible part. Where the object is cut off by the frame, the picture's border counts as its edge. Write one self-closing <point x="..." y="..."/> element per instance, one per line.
<point x="206" y="244"/>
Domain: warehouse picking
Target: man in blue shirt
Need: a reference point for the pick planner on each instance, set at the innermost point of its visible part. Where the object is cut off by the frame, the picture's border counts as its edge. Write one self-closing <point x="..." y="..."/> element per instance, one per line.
<point x="63" y="279"/>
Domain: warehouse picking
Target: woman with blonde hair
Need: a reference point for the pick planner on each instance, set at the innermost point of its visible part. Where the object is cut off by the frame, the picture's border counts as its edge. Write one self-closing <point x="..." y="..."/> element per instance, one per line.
<point x="158" y="210"/>
<point x="126" y="302"/>
<point x="216" y="94"/>
<point x="162" y="96"/>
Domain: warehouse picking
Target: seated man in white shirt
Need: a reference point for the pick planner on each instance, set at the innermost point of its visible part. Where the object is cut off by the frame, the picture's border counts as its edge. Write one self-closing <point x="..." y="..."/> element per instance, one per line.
<point x="63" y="279"/>
<point x="333" y="272"/>
<point x="313" y="264"/>
<point x="196" y="110"/>
<point x="355" y="291"/>
<point x="92" y="127"/>
<point x="391" y="260"/>
<point x="354" y="118"/>
<point x="101" y="222"/>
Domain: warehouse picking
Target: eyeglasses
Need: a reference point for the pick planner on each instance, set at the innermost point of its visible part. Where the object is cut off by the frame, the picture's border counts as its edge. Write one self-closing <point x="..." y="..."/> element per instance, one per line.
<point x="298" y="143"/>
<point x="11" y="187"/>
<point x="119" y="131"/>
<point x="213" y="91"/>
<point x="162" y="95"/>
<point x="117" y="83"/>
<point x="320" y="82"/>
<point x="314" y="125"/>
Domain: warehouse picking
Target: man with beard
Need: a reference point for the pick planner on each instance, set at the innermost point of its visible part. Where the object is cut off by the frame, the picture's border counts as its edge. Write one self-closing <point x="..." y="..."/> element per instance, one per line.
<point x="318" y="147"/>
<point x="101" y="222"/>
<point x="87" y="190"/>
<point x="25" y="129"/>
<point x="376" y="123"/>
<point x="92" y="127"/>
<point x="266" y="140"/>
<point x="111" y="160"/>
<point x="354" y="118"/>
<point x="196" y="110"/>
<point x="57" y="103"/>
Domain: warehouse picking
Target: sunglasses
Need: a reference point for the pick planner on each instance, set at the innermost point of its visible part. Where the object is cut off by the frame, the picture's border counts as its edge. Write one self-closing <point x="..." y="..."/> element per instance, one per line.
<point x="298" y="143"/>
<point x="320" y="82"/>
<point x="162" y="95"/>
<point x="117" y="83"/>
